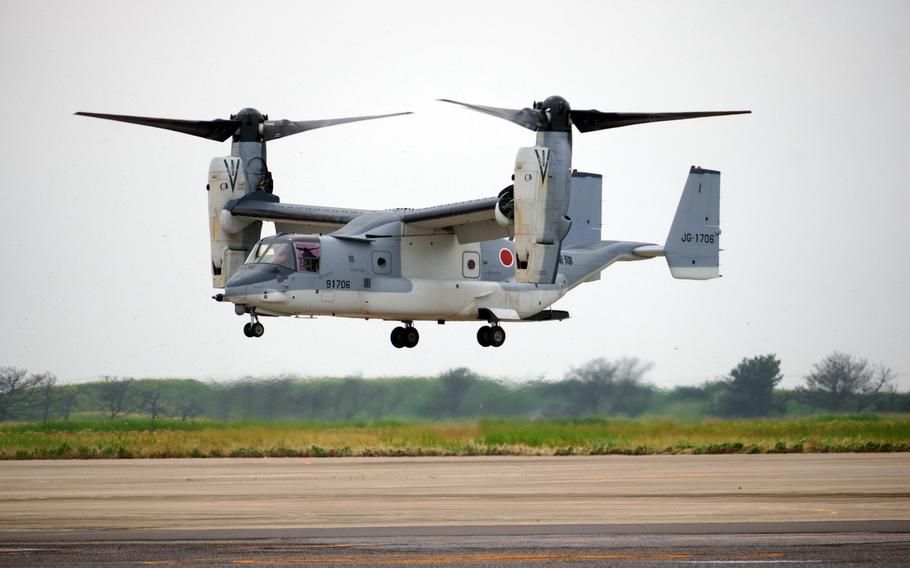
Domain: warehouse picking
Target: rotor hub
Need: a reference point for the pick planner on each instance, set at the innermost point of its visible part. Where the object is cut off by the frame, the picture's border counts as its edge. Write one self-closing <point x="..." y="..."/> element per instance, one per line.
<point x="250" y="129"/>
<point x="556" y="110"/>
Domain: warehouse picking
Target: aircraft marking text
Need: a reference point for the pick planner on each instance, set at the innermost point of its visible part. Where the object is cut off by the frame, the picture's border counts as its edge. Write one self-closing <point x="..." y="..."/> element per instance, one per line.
<point x="698" y="238"/>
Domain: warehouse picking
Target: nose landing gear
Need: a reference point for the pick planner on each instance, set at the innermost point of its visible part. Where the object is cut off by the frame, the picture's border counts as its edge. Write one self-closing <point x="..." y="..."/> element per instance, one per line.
<point x="491" y="336"/>
<point x="406" y="336"/>
<point x="253" y="328"/>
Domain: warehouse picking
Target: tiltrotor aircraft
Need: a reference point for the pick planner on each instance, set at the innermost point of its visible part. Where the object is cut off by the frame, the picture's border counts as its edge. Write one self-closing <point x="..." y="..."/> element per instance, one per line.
<point x="498" y="259"/>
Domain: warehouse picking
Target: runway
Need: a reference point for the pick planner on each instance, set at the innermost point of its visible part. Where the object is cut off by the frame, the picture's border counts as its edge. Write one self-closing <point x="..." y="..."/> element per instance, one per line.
<point x="605" y="510"/>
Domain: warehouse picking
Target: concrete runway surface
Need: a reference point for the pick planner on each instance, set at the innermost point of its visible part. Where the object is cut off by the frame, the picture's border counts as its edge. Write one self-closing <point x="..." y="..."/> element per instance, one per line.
<point x="825" y="509"/>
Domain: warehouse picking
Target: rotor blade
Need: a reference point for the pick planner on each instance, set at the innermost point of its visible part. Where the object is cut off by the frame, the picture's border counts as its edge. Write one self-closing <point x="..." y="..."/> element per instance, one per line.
<point x="273" y="129"/>
<point x="218" y="129"/>
<point x="529" y="118"/>
<point x="590" y="120"/>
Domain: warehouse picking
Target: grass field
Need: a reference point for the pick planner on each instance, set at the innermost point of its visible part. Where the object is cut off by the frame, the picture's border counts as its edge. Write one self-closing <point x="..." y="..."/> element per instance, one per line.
<point x="140" y="438"/>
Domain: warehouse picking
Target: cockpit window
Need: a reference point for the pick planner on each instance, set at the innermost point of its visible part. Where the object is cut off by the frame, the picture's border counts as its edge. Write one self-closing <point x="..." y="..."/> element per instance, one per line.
<point x="257" y="251"/>
<point x="277" y="253"/>
<point x="307" y="256"/>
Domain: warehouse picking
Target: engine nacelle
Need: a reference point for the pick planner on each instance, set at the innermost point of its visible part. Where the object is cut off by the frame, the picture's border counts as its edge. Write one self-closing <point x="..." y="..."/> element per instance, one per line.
<point x="541" y="202"/>
<point x="231" y="238"/>
<point x="505" y="207"/>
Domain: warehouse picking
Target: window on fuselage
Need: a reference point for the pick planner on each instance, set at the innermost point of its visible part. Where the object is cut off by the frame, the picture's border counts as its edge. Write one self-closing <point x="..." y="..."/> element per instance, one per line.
<point x="307" y="256"/>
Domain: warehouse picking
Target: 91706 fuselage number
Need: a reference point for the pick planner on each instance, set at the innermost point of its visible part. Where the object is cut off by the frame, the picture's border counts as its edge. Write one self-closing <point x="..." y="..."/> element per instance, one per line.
<point x="338" y="284"/>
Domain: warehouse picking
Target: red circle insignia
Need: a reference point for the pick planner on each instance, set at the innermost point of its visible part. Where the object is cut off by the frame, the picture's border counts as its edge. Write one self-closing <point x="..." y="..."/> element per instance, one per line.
<point x="505" y="257"/>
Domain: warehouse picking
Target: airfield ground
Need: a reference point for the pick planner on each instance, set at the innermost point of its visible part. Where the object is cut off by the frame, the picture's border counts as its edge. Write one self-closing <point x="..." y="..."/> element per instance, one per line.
<point x="475" y="511"/>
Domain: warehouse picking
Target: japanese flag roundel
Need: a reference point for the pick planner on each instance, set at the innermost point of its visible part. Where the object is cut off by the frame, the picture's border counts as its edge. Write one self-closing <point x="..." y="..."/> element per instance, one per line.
<point x="505" y="257"/>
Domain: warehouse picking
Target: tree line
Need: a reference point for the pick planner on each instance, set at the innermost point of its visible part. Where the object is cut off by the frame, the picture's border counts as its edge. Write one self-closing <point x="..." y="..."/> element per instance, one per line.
<point x="600" y="388"/>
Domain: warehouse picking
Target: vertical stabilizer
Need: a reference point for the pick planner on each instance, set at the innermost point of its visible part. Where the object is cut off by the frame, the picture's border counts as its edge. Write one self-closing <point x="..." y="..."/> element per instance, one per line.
<point x="693" y="245"/>
<point x="585" y="205"/>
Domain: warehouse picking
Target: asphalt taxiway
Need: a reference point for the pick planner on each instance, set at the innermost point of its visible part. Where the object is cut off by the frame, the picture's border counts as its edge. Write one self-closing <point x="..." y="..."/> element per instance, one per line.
<point x="609" y="510"/>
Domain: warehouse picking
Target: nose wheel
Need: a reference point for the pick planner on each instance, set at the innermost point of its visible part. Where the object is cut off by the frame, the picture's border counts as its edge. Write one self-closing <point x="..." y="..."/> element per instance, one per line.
<point x="491" y="336"/>
<point x="406" y="336"/>
<point x="253" y="328"/>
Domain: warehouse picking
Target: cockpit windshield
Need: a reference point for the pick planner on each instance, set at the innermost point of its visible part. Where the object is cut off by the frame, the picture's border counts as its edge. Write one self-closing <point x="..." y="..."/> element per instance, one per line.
<point x="281" y="254"/>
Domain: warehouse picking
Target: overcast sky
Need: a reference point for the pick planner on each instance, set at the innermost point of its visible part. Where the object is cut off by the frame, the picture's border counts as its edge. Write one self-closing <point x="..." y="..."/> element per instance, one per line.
<point x="105" y="229"/>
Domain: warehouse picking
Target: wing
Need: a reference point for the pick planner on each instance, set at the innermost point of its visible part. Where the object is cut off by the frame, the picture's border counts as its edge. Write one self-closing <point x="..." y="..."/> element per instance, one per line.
<point x="471" y="221"/>
<point x="291" y="217"/>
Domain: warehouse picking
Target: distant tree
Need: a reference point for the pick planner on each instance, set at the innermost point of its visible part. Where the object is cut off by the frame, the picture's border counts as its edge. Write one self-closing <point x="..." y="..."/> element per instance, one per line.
<point x="842" y="382"/>
<point x="454" y="385"/>
<point x="608" y="387"/>
<point x="16" y="390"/>
<point x="186" y="398"/>
<point x="749" y="389"/>
<point x="188" y="408"/>
<point x="46" y="385"/>
<point x="351" y="394"/>
<point x="151" y="400"/>
<point x="451" y="389"/>
<point x="66" y="397"/>
<point x="112" y="395"/>
<point x="276" y="396"/>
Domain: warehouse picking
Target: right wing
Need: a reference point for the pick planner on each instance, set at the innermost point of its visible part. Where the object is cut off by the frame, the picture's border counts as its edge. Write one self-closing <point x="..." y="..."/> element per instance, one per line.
<point x="471" y="221"/>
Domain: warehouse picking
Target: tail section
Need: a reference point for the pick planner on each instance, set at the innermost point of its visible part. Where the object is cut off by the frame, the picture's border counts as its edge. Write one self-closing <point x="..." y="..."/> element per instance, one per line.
<point x="693" y="245"/>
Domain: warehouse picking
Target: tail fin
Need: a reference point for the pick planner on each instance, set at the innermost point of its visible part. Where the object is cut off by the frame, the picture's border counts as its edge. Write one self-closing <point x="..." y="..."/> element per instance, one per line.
<point x="693" y="245"/>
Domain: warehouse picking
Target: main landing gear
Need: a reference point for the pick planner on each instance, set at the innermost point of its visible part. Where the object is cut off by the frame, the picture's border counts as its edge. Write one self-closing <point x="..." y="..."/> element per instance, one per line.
<point x="406" y="336"/>
<point x="253" y="328"/>
<point x="491" y="336"/>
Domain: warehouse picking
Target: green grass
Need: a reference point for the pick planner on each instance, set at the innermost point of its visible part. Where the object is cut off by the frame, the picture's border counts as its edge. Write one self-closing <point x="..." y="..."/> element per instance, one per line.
<point x="143" y="438"/>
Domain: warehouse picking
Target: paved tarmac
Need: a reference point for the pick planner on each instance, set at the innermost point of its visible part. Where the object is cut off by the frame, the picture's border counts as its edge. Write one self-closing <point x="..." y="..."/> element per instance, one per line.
<point x="570" y="545"/>
<point x="826" y="509"/>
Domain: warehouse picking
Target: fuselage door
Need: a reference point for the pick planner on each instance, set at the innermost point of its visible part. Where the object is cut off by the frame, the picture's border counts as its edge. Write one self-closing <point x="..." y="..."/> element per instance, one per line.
<point x="470" y="264"/>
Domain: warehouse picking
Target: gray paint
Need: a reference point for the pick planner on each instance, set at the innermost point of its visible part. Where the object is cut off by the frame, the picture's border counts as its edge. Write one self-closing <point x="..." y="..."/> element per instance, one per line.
<point x="585" y="209"/>
<point x="340" y="259"/>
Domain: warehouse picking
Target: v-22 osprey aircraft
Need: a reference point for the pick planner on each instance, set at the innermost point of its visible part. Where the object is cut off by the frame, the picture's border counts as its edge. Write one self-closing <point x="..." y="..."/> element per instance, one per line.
<point x="498" y="259"/>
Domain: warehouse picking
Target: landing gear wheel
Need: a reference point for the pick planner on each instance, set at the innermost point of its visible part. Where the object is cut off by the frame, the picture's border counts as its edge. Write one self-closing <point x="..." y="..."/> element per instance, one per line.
<point x="410" y="337"/>
<point x="497" y="336"/>
<point x="396" y="337"/>
<point x="483" y="336"/>
<point x="257" y="329"/>
<point x="246" y="329"/>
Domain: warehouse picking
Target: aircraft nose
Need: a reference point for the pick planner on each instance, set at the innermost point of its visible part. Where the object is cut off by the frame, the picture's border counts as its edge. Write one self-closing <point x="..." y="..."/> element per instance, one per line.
<point x="233" y="292"/>
<point x="245" y="281"/>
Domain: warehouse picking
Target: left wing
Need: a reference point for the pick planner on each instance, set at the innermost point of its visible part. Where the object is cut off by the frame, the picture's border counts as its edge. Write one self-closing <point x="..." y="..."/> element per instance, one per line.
<point x="290" y="217"/>
<point x="470" y="221"/>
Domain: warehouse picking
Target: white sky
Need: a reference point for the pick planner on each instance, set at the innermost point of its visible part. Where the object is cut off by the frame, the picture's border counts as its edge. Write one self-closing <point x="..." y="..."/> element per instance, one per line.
<point x="106" y="270"/>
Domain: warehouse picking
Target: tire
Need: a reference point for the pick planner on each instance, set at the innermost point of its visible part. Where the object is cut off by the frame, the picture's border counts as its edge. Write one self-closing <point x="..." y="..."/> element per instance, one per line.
<point x="411" y="337"/>
<point x="257" y="329"/>
<point x="246" y="329"/>
<point x="497" y="336"/>
<point x="483" y="336"/>
<point x="396" y="338"/>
